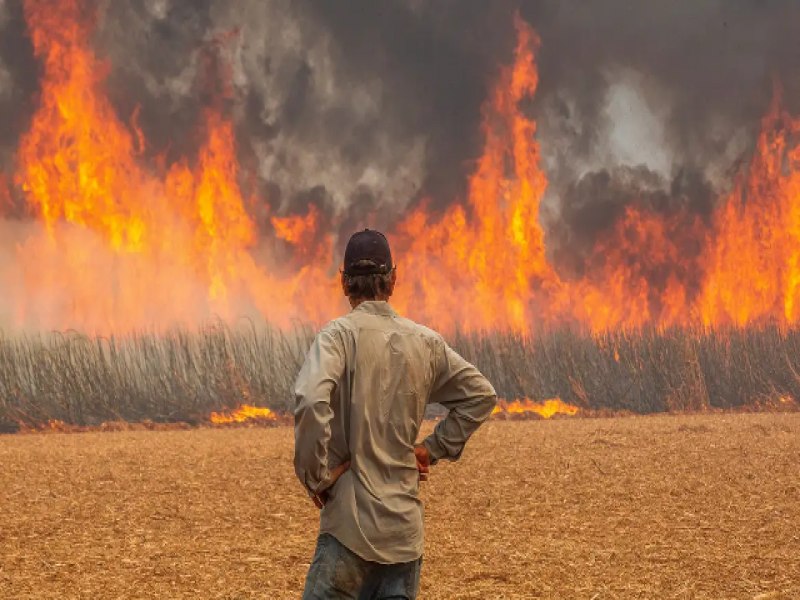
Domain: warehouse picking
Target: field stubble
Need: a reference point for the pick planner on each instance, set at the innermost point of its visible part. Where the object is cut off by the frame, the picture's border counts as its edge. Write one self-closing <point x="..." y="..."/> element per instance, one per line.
<point x="701" y="506"/>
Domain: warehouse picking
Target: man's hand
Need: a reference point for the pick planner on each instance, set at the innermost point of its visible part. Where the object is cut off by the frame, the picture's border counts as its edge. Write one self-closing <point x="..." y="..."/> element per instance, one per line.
<point x="423" y="461"/>
<point x="321" y="499"/>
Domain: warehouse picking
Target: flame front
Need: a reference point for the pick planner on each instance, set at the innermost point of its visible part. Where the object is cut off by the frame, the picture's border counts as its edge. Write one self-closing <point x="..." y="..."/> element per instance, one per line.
<point x="120" y="244"/>
<point x="526" y="406"/>
<point x="243" y="414"/>
<point x="483" y="265"/>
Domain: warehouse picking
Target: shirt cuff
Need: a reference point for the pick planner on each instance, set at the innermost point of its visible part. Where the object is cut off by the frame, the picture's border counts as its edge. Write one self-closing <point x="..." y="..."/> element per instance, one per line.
<point x="435" y="449"/>
<point x="315" y="487"/>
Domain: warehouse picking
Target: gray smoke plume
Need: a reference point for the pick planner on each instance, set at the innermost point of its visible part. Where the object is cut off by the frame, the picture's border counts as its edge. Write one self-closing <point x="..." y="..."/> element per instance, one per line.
<point x="364" y="108"/>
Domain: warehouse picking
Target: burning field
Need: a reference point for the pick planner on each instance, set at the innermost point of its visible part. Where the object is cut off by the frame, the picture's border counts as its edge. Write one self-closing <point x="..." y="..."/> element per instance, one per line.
<point x="107" y="231"/>
<point x="598" y="205"/>
<point x="165" y="214"/>
<point x="650" y="507"/>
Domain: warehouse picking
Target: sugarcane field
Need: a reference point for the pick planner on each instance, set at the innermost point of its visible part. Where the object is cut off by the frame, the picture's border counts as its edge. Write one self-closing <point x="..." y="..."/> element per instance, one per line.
<point x="398" y="300"/>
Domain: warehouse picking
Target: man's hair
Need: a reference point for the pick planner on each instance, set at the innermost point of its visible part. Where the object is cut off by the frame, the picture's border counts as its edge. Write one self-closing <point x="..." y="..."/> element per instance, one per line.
<point x="368" y="287"/>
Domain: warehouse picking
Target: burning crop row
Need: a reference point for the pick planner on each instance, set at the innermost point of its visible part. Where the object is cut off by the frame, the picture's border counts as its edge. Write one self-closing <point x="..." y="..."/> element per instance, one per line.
<point x="527" y="407"/>
<point x="186" y="376"/>
<point x="244" y="414"/>
<point x="247" y="415"/>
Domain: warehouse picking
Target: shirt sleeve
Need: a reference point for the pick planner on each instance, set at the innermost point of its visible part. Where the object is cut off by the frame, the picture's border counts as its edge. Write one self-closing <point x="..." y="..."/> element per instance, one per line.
<point x="469" y="398"/>
<point x="321" y="372"/>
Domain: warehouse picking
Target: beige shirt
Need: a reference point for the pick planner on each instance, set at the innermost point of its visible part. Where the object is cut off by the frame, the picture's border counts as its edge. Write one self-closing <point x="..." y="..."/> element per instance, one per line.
<point x="361" y="396"/>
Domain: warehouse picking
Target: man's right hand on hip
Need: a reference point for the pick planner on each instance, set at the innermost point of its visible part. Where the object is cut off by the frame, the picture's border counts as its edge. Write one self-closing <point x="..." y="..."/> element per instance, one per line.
<point x="423" y="461"/>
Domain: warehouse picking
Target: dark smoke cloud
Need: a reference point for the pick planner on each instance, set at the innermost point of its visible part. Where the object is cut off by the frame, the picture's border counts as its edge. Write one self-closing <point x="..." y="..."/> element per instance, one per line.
<point x="365" y="107"/>
<point x="377" y="104"/>
<point x="709" y="64"/>
<point x="597" y="201"/>
<point x="19" y="76"/>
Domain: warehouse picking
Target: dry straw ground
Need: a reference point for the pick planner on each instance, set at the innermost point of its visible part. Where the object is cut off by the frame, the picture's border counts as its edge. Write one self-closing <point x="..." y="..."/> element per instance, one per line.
<point x="645" y="507"/>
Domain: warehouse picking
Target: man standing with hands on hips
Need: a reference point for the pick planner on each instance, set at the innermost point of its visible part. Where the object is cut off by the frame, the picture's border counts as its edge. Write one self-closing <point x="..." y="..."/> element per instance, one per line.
<point x="360" y="400"/>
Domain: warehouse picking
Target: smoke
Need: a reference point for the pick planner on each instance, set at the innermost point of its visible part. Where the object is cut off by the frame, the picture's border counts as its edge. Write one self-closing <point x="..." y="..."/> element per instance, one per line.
<point x="19" y="74"/>
<point x="357" y="105"/>
<point x="365" y="107"/>
<point x="597" y="203"/>
<point x="706" y="66"/>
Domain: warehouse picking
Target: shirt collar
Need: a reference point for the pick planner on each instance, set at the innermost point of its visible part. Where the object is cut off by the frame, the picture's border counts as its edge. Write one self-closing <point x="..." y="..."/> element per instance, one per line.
<point x="376" y="307"/>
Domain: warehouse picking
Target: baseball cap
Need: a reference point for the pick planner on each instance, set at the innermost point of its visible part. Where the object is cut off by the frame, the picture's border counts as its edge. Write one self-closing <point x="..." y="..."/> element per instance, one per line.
<point x="367" y="253"/>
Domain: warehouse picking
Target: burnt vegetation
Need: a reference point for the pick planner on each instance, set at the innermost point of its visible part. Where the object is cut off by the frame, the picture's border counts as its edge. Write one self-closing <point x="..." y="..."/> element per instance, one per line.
<point x="182" y="376"/>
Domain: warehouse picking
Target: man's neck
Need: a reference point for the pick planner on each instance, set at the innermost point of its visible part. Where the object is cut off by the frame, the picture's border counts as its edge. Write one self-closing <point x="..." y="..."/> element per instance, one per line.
<point x="354" y="302"/>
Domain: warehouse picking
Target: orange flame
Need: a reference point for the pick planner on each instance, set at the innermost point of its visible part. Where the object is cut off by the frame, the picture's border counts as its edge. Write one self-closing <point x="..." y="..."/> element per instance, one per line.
<point x="482" y="266"/>
<point x="296" y="229"/>
<point x="545" y="409"/>
<point x="123" y="247"/>
<point x="754" y="267"/>
<point x="119" y="244"/>
<point x="243" y="414"/>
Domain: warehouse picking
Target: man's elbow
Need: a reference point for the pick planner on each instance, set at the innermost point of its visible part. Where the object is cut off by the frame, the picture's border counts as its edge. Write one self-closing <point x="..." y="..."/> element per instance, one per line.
<point x="489" y="397"/>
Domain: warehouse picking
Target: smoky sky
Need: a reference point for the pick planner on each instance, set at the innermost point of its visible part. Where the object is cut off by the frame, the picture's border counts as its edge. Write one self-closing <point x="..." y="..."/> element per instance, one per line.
<point x="364" y="108"/>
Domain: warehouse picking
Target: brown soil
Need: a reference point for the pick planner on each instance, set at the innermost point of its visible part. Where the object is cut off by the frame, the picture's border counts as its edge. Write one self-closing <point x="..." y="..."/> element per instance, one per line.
<point x="702" y="506"/>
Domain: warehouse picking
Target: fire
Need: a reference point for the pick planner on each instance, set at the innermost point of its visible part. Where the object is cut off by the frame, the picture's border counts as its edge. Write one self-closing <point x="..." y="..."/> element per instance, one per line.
<point x="482" y="266"/>
<point x="296" y="228"/>
<point x="120" y="243"/>
<point x="123" y="246"/>
<point x="244" y="414"/>
<point x="754" y="268"/>
<point x="526" y="406"/>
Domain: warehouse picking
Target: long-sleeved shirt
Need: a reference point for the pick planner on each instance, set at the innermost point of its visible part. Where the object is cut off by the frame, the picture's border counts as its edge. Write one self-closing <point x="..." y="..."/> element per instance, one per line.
<point x="361" y="396"/>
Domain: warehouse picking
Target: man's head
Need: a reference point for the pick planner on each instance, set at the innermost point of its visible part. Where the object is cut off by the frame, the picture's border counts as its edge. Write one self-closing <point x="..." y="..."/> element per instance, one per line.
<point x="368" y="273"/>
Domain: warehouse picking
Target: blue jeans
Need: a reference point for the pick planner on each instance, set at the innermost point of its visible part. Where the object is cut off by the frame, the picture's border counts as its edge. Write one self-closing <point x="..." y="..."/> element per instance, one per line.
<point x="337" y="573"/>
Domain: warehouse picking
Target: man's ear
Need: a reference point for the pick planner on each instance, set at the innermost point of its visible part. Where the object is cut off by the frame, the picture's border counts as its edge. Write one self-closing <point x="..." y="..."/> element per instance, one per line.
<point x="344" y="284"/>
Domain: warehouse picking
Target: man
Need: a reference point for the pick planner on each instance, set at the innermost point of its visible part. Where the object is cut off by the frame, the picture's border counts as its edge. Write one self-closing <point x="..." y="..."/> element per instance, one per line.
<point x="361" y="397"/>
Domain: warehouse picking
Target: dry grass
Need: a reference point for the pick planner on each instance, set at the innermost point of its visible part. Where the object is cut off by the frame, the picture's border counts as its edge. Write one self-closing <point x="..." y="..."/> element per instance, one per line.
<point x="183" y="375"/>
<point x="644" y="507"/>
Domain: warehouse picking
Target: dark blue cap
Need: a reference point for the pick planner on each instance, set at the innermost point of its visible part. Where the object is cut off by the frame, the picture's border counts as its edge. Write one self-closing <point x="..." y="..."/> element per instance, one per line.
<point x="367" y="253"/>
